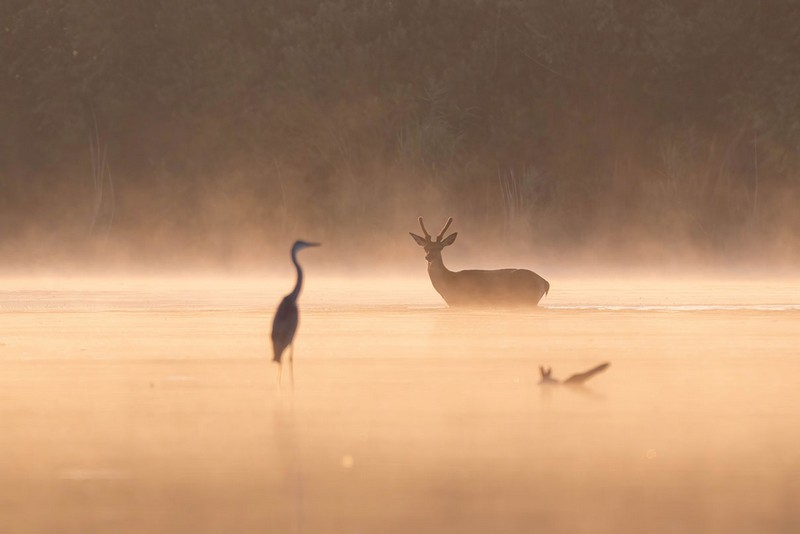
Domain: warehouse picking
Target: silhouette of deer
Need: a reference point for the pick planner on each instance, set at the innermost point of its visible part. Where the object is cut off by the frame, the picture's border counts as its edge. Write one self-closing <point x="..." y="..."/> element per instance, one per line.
<point x="502" y="287"/>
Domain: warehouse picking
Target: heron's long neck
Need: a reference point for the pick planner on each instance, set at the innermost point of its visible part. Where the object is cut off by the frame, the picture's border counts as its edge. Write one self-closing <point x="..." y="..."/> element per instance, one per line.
<point x="296" y="291"/>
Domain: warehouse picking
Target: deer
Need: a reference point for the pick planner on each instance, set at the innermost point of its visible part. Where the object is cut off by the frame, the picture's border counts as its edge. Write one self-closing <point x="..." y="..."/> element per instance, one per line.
<point x="500" y="288"/>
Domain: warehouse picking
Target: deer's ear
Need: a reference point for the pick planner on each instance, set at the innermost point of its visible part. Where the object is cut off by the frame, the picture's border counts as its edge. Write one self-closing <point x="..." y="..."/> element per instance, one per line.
<point x="449" y="240"/>
<point x="420" y="240"/>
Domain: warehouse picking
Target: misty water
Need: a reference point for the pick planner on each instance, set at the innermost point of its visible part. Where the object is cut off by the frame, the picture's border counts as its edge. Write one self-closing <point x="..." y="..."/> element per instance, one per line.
<point x="152" y="405"/>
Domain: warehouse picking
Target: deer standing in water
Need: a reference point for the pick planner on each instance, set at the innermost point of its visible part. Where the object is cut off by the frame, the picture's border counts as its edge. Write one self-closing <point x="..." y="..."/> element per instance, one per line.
<point x="502" y="287"/>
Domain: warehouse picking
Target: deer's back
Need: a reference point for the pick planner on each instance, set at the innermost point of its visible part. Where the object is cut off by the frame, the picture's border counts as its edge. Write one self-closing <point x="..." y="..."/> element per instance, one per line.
<point x="502" y="287"/>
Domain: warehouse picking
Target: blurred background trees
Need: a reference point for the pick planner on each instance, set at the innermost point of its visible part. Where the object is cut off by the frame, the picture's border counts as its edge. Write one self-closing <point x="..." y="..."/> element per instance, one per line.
<point x="654" y="131"/>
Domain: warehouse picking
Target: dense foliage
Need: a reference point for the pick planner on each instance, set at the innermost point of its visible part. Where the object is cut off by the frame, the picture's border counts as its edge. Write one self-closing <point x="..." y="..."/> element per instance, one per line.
<point x="227" y="125"/>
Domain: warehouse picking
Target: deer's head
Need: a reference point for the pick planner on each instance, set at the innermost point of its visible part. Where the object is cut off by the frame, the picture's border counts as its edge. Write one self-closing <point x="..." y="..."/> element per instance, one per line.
<point x="433" y="249"/>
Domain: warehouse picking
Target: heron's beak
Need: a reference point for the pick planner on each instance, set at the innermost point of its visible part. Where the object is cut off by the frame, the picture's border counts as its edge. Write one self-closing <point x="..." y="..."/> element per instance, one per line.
<point x="314" y="244"/>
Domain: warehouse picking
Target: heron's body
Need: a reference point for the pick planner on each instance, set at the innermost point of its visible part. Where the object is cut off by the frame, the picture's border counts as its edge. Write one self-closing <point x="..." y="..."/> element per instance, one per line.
<point x="284" y="326"/>
<point x="287" y="316"/>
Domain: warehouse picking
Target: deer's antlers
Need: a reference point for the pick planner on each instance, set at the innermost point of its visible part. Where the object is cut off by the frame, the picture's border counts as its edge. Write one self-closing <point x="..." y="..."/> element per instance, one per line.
<point x="424" y="231"/>
<point x="441" y="234"/>
<point x="446" y="226"/>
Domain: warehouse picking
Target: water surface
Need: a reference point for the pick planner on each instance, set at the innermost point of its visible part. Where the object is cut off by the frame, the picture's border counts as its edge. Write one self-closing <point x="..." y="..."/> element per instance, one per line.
<point x="152" y="406"/>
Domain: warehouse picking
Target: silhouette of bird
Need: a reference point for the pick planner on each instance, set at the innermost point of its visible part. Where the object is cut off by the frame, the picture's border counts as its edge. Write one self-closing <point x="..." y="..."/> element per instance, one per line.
<point x="575" y="380"/>
<point x="284" y="325"/>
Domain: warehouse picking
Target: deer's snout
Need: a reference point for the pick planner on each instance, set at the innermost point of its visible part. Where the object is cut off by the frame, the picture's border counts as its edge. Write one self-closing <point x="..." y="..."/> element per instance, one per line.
<point x="432" y="253"/>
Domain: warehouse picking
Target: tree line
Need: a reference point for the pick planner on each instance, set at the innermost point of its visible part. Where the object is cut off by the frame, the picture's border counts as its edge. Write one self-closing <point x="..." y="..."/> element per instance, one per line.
<point x="220" y="126"/>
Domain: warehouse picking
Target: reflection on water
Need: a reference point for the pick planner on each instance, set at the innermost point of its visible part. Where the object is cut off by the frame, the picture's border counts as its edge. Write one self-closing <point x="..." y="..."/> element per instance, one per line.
<point x="155" y="407"/>
<point x="685" y="307"/>
<point x="349" y="294"/>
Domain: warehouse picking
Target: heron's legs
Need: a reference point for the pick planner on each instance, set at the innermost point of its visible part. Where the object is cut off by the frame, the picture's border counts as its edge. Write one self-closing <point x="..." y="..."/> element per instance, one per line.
<point x="280" y="368"/>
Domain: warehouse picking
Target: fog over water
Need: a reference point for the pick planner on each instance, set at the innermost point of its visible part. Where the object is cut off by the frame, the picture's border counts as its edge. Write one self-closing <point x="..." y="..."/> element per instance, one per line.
<point x="208" y="136"/>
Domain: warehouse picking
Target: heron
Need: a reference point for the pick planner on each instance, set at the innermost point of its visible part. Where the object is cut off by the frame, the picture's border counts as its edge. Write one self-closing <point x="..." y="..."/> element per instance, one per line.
<point x="284" y="325"/>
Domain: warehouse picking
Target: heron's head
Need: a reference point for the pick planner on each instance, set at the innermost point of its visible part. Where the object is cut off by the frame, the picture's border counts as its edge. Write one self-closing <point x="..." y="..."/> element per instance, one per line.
<point x="300" y="245"/>
<point x="433" y="249"/>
